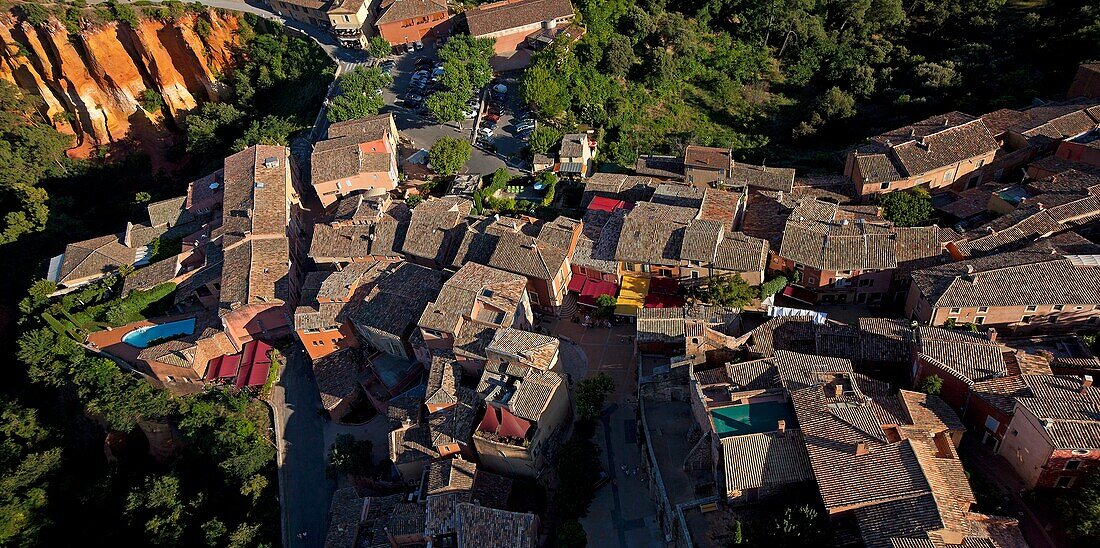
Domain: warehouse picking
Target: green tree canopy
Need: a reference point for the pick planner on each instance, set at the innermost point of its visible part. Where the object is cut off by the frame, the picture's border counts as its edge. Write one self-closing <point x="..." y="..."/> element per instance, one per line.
<point x="448" y="155"/>
<point x="729" y="290"/>
<point x="907" y="208"/>
<point x="359" y="94"/>
<point x="591" y="395"/>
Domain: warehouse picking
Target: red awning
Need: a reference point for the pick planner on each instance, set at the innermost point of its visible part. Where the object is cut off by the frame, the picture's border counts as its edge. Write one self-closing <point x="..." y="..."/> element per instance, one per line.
<point x="657" y="300"/>
<point x="576" y="284"/>
<point x="490" y="422"/>
<point x="662" y="285"/>
<point x="601" y="203"/>
<point x="595" y="288"/>
<point x="223" y="367"/>
<point x="254" y="364"/>
<point x="512" y="426"/>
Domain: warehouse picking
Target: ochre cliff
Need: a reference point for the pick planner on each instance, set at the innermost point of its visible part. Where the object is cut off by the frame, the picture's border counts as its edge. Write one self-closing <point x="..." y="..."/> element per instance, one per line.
<point x="92" y="82"/>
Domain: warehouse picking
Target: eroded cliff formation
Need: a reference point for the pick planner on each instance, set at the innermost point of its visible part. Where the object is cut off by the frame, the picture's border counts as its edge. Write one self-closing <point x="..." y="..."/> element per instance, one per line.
<point x="92" y="82"/>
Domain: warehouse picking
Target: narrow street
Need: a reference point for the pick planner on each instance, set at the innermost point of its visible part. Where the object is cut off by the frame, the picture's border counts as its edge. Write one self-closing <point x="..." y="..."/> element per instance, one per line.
<point x="305" y="489"/>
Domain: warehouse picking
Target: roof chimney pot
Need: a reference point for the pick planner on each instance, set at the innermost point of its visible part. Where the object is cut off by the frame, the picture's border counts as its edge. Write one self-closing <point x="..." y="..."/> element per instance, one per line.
<point x="1086" y="383"/>
<point x="861" y="449"/>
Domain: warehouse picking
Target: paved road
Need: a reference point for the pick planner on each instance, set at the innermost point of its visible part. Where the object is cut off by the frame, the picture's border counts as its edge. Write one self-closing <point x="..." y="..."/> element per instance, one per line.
<point x="997" y="471"/>
<point x="305" y="489"/>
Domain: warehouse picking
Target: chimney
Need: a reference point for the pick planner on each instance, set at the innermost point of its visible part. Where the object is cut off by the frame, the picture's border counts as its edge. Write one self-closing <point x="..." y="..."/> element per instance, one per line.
<point x="1086" y="383"/>
<point x="1041" y="206"/>
<point x="969" y="269"/>
<point x="838" y="390"/>
<point x="992" y="333"/>
<point x="782" y="427"/>
<point x="861" y="449"/>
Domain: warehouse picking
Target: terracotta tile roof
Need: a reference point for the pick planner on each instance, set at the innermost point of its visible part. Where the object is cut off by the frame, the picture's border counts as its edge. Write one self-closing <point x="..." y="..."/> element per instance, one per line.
<point x="768" y="178"/>
<point x="701" y="240"/>
<point x="707" y="157"/>
<point x="766" y="215"/>
<point x="256" y="190"/>
<point x="1056" y="121"/>
<point x="440" y="511"/>
<point x="444" y="378"/>
<point x="412" y="443"/>
<point x="171" y="212"/>
<point x="317" y="309"/>
<point x="481" y="526"/>
<point x="1033" y="276"/>
<point x="532" y="349"/>
<point x="525" y="391"/>
<point x="344" y="242"/>
<point x="343" y="158"/>
<point x="670" y="325"/>
<point x="400" y="10"/>
<point x="665" y="167"/>
<point x="1069" y="413"/>
<point x="431" y="223"/>
<point x="930" y="412"/>
<point x="883" y="339"/>
<point x="337" y="376"/>
<point x="677" y="194"/>
<point x="585" y="256"/>
<point x="720" y="205"/>
<point x="398" y="298"/>
<point x="936" y="142"/>
<point x="572" y="145"/>
<point x="255" y="271"/>
<point x="768" y="459"/>
<point x="94" y="257"/>
<point x="970" y="357"/>
<point x="653" y="233"/>
<point x="345" y="512"/>
<point x="840" y="245"/>
<point x="1001" y="120"/>
<point x="831" y="188"/>
<point x="454" y="424"/>
<point x="148" y="276"/>
<point x="449" y="476"/>
<point x="876" y="167"/>
<point x="510" y="14"/>
<point x="478" y="293"/>
<point x="629" y="188"/>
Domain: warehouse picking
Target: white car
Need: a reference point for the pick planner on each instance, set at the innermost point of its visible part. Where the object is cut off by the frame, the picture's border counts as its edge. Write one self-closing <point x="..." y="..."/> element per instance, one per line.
<point x="487" y="132"/>
<point x="471" y="114"/>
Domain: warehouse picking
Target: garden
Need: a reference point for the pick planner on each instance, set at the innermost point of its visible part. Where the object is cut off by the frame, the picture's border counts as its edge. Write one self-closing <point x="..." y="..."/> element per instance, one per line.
<point x="99" y="306"/>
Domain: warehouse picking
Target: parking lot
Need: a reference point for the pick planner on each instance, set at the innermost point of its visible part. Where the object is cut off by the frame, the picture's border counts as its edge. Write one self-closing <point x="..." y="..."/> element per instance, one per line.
<point x="498" y="133"/>
<point x="418" y="126"/>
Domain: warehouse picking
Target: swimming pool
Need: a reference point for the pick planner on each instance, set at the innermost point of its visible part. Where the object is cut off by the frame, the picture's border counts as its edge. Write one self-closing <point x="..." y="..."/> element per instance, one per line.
<point x="752" y="418"/>
<point x="142" y="336"/>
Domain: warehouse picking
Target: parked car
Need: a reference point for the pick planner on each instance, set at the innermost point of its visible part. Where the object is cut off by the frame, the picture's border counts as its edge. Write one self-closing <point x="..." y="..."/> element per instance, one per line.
<point x="492" y="118"/>
<point x="409" y="48"/>
<point x="418" y="44"/>
<point x="470" y="114"/>
<point x="424" y="61"/>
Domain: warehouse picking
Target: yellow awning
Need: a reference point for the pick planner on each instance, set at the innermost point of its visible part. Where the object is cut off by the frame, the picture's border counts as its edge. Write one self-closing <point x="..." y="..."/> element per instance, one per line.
<point x="632" y="295"/>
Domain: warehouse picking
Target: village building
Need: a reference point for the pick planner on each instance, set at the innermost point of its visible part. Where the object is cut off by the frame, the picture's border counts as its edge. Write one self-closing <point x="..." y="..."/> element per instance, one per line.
<point x="356" y="156"/>
<point x="408" y="21"/>
<point x="514" y="24"/>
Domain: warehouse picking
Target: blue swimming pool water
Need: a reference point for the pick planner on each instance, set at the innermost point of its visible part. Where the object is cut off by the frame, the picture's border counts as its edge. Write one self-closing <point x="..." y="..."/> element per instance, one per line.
<point x="142" y="336"/>
<point x="752" y="418"/>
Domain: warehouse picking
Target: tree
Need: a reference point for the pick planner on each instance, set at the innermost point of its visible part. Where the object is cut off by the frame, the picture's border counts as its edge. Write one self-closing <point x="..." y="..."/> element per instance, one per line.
<point x="379" y="47"/>
<point x="446" y="106"/>
<point x="359" y="94"/>
<point x="501" y="178"/>
<point x="351" y="456"/>
<point x="547" y="181"/>
<point x="1081" y="508"/>
<point x="738" y="534"/>
<point x="931" y="385"/>
<point x="413" y="201"/>
<point x="605" y="305"/>
<point x="619" y="56"/>
<point x="543" y="139"/>
<point x="448" y="155"/>
<point x="151" y="101"/>
<point x="729" y="290"/>
<point x="773" y="286"/>
<point x="572" y="535"/>
<point x="907" y="208"/>
<point x="591" y="394"/>
<point x="210" y="128"/>
<point x="578" y="470"/>
<point x="270" y="130"/>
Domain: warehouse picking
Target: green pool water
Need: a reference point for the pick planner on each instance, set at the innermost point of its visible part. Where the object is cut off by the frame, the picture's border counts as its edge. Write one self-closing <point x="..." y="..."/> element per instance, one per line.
<point x="752" y="418"/>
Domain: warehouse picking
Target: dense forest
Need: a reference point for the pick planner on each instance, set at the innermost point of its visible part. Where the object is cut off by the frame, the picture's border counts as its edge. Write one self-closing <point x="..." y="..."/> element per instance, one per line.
<point x="795" y="81"/>
<point x="61" y="483"/>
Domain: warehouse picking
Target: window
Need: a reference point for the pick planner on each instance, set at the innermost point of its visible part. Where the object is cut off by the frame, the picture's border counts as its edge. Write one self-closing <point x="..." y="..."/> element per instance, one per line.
<point x="1073" y="464"/>
<point x="992" y="424"/>
<point x="1053" y="319"/>
<point x="695" y="274"/>
<point x="1059" y="307"/>
<point x="981" y="162"/>
<point x="1026" y="319"/>
<point x="947" y="176"/>
<point x="884" y="186"/>
<point x="1063" y="482"/>
<point x="1032" y="308"/>
<point x="956" y="310"/>
<point x="979" y="320"/>
<point x="983" y="309"/>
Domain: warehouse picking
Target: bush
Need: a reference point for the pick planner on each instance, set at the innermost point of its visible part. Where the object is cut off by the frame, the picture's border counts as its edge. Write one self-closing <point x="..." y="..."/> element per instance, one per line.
<point x="351" y="456"/>
<point x="123" y="12"/>
<point x="549" y="181"/>
<point x="413" y="201"/>
<point x="773" y="286"/>
<point x="729" y="291"/>
<point x="151" y="101"/>
<point x="448" y="155"/>
<point x="931" y="385"/>
<point x="907" y="208"/>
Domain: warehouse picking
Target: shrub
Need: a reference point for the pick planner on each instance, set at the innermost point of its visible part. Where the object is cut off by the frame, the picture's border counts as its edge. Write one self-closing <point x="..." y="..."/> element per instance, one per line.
<point x="931" y="385"/>
<point x="413" y="201"/>
<point x="773" y="286"/>
<point x="151" y="101"/>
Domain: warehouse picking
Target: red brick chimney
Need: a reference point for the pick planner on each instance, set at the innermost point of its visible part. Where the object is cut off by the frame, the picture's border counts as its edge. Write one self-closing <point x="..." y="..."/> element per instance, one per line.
<point x="861" y="449"/>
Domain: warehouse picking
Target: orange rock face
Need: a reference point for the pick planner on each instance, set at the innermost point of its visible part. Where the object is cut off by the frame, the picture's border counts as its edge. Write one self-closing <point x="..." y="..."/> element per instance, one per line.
<point x="92" y="83"/>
